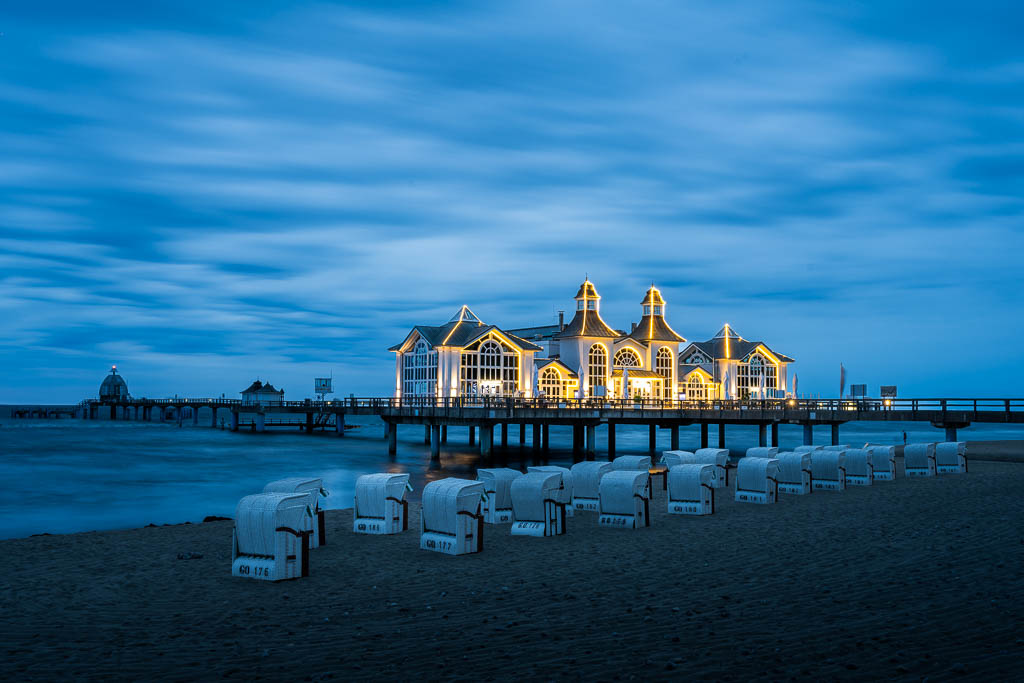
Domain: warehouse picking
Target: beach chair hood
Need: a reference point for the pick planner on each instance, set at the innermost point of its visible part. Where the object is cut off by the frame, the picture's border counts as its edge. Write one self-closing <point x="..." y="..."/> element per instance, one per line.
<point x="792" y="466"/>
<point x="530" y="492"/>
<point x="685" y="482"/>
<point x="498" y="483"/>
<point x="444" y="499"/>
<point x="258" y="517"/>
<point x="586" y="478"/>
<point x="632" y="462"/>
<point x="752" y="473"/>
<point x="825" y="464"/>
<point x="565" y="496"/>
<point x="762" y="452"/>
<point x="373" y="490"/>
<point x="619" y="488"/>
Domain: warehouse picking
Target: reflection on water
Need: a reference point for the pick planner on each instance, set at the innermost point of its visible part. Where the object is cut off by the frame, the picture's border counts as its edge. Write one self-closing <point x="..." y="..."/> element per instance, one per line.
<point x="65" y="476"/>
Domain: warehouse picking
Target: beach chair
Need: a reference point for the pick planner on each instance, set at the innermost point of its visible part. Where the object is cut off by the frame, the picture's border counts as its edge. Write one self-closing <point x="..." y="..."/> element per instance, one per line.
<point x="691" y="490"/>
<point x="719" y="457"/>
<point x="951" y="457"/>
<point x="828" y="470"/>
<point x="538" y="506"/>
<point x="565" y="495"/>
<point x="883" y="462"/>
<point x="807" y="449"/>
<point x="762" y="452"/>
<point x="859" y="470"/>
<point x="919" y="460"/>
<point x="672" y="458"/>
<point x="314" y="488"/>
<point x="757" y="480"/>
<point x="270" y="540"/>
<point x="586" y="480"/>
<point x="795" y="473"/>
<point x="639" y="463"/>
<point x="839" y="447"/>
<point x="380" y="506"/>
<point x="497" y="486"/>
<point x="450" y="519"/>
<point x="624" y="499"/>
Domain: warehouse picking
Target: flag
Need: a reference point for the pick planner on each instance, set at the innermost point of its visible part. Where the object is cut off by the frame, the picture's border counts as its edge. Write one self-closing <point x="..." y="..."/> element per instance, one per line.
<point x="794" y="385"/>
<point x="725" y="385"/>
<point x="842" y="380"/>
<point x="762" y="384"/>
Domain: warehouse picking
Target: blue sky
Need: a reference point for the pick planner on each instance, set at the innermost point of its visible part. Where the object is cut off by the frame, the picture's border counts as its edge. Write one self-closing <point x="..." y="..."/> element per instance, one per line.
<point x="209" y="193"/>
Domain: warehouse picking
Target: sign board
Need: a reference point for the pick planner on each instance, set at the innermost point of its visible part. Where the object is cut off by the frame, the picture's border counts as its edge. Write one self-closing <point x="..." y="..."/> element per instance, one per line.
<point x="888" y="391"/>
<point x="858" y="390"/>
<point x="323" y="385"/>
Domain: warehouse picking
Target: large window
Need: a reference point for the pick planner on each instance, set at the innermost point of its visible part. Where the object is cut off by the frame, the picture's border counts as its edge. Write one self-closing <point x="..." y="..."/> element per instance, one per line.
<point x="663" y="366"/>
<point x="748" y="377"/>
<point x="419" y="371"/>
<point x="489" y="367"/>
<point x="696" y="388"/>
<point x="626" y="358"/>
<point x="551" y="383"/>
<point x="597" y="369"/>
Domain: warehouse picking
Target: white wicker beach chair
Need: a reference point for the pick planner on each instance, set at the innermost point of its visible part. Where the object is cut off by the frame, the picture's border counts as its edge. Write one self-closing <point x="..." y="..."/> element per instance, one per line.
<point x="586" y="479"/>
<point x="672" y="458"/>
<point x="691" y="489"/>
<point x="951" y="457"/>
<point x="270" y="541"/>
<point x="538" y="504"/>
<point x="795" y="473"/>
<point x="497" y="486"/>
<point x="757" y="480"/>
<point x="637" y="463"/>
<point x="624" y="499"/>
<point x="919" y="460"/>
<point x="828" y="470"/>
<point x="883" y="462"/>
<point x="314" y="487"/>
<point x="565" y="495"/>
<point x="859" y="470"/>
<point x="719" y="457"/>
<point x="380" y="504"/>
<point x="768" y="452"/>
<point x="450" y="519"/>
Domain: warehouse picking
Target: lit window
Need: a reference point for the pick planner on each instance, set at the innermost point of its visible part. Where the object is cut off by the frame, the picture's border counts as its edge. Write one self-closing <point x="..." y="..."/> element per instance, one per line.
<point x="647" y="310"/>
<point x="658" y="310"/>
<point x="591" y="305"/>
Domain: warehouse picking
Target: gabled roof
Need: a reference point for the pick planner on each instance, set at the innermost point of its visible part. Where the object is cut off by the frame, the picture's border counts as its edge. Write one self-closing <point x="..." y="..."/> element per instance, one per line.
<point x="654" y="328"/>
<point x="687" y="369"/>
<point x="734" y="348"/>
<point x="542" y="331"/>
<point x="462" y="330"/>
<point x="542" y="363"/>
<point x="259" y="386"/>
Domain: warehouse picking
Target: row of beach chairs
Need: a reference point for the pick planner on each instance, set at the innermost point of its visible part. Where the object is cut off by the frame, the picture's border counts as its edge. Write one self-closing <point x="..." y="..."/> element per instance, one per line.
<point x="275" y="530"/>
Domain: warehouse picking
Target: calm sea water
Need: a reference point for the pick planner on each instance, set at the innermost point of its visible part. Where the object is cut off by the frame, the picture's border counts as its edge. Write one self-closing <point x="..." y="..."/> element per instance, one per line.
<point x="64" y="476"/>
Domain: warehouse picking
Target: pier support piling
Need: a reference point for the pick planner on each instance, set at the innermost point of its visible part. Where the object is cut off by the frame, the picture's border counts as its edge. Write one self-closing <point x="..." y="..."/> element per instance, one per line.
<point x="309" y="423"/>
<point x="950" y="433"/>
<point x="435" y="442"/>
<point x="762" y="435"/>
<point x="522" y="433"/>
<point x="339" y="424"/>
<point x="835" y="433"/>
<point x="426" y="434"/>
<point x="591" y="441"/>
<point x="392" y="438"/>
<point x="545" y="433"/>
<point x="234" y="419"/>
<point x="472" y="435"/>
<point x="536" y="437"/>
<point x="213" y="417"/>
<point x="775" y="434"/>
<point x="611" y="441"/>
<point x="652" y="438"/>
<point x="195" y="417"/>
<point x="703" y="434"/>
<point x="444" y="433"/>
<point x="721" y="435"/>
<point x="504" y="434"/>
<point x="261" y="421"/>
<point x="808" y="434"/>
<point x="674" y="434"/>
<point x="577" y="442"/>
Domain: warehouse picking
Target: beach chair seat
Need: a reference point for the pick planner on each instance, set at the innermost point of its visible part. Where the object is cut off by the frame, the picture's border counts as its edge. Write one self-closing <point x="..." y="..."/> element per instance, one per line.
<point x="314" y="487"/>
<point x="624" y="499"/>
<point x="497" y="509"/>
<point x="795" y="473"/>
<point x="270" y="540"/>
<point x="768" y="452"/>
<point x="380" y="506"/>
<point x="859" y="470"/>
<point x="719" y="457"/>
<point x="450" y="519"/>
<point x="828" y="470"/>
<point x="919" y="460"/>
<point x="883" y="462"/>
<point x="565" y="495"/>
<point x="586" y="480"/>
<point x="538" y="506"/>
<point x="951" y="457"/>
<point x="672" y="458"/>
<point x="807" y="448"/>
<point x="757" y="480"/>
<point x="691" y="489"/>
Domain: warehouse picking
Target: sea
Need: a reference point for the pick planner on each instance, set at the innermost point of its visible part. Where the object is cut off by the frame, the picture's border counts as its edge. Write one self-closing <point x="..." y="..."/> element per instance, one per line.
<point x="66" y="476"/>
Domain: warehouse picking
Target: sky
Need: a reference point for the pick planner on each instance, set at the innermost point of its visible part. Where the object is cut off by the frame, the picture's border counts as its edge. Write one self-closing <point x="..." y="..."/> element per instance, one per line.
<point x="207" y="193"/>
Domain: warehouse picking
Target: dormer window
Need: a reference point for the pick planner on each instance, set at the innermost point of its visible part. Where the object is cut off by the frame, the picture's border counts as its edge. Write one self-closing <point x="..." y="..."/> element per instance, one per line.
<point x="579" y="305"/>
<point x="591" y="305"/>
<point x="659" y="310"/>
<point x="647" y="310"/>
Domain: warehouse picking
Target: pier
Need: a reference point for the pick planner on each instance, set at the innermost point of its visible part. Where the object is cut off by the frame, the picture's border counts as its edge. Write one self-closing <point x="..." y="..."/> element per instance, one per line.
<point x="532" y="418"/>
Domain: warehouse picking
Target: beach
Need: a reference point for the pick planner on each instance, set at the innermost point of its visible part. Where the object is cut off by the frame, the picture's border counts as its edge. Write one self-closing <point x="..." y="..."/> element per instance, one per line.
<point x="908" y="579"/>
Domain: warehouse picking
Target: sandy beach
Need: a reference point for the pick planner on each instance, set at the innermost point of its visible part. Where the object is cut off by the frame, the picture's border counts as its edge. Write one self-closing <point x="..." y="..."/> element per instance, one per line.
<point x="911" y="579"/>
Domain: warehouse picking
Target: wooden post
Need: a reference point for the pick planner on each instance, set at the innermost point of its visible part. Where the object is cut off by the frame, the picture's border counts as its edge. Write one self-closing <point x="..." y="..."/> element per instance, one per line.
<point x="435" y="442"/>
<point x="674" y="434"/>
<point x="611" y="441"/>
<point x="762" y="435"/>
<point x="721" y="435"/>
<point x="652" y="438"/>
<point x="703" y="434"/>
<point x="504" y="434"/>
<point x="835" y="433"/>
<point x="775" y="434"/>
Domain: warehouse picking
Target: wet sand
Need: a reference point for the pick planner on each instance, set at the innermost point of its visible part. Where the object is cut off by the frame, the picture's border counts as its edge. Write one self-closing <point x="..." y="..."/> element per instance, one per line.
<point x="899" y="580"/>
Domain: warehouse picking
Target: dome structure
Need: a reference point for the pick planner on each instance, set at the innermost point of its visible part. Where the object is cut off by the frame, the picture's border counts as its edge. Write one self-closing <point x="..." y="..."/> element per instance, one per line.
<point x="114" y="388"/>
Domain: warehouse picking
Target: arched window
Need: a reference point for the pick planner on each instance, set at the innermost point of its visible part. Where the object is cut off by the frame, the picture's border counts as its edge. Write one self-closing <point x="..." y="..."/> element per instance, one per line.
<point x="696" y="388"/>
<point x="419" y="371"/>
<point x="749" y="373"/>
<point x="626" y="358"/>
<point x="597" y="369"/>
<point x="489" y="367"/>
<point x="551" y="383"/>
<point x="663" y="366"/>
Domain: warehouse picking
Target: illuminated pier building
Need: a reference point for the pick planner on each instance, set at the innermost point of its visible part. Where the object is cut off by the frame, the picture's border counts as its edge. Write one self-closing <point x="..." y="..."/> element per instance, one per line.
<point x="584" y="358"/>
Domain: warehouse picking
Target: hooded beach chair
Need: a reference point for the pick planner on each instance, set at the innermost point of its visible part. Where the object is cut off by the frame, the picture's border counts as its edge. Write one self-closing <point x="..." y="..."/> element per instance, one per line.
<point x="839" y="447"/>
<point x="497" y="486"/>
<point x="768" y="452"/>
<point x="828" y="470"/>
<point x="565" y="495"/>
<point x="624" y="499"/>
<point x="807" y="448"/>
<point x="672" y="458"/>
<point x="691" y="490"/>
<point x="586" y="478"/>
<point x="883" y="462"/>
<point x="450" y="519"/>
<point x="538" y="506"/>
<point x="380" y="505"/>
<point x="859" y="470"/>
<point x="719" y="457"/>
<point x="795" y="473"/>
<point x="314" y="487"/>
<point x="919" y="460"/>
<point x="951" y="457"/>
<point x="635" y="463"/>
<point x="757" y="480"/>
<point x="270" y="540"/>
